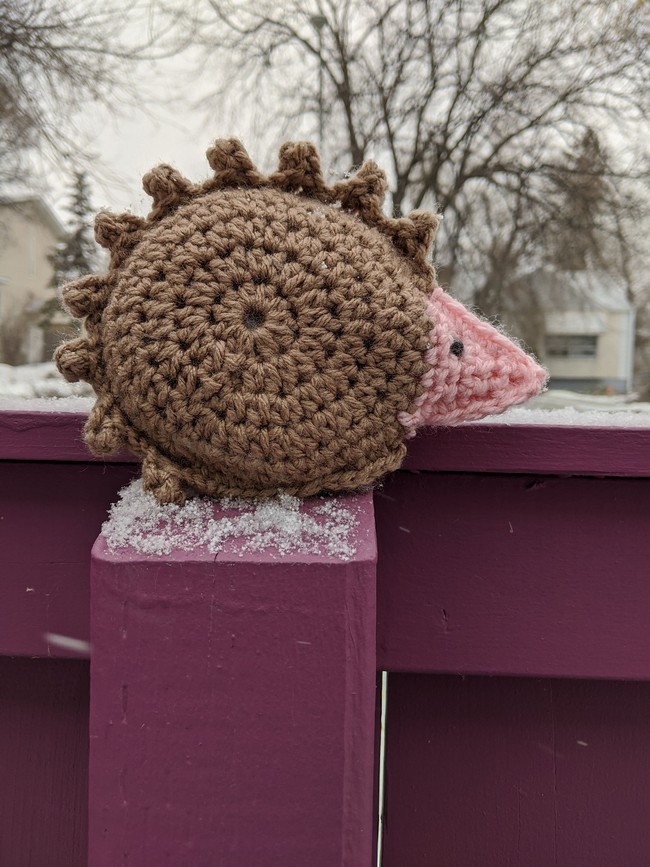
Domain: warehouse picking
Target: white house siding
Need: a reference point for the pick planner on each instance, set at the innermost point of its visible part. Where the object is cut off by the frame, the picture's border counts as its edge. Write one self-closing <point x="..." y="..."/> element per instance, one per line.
<point x="612" y="365"/>
<point x="29" y="232"/>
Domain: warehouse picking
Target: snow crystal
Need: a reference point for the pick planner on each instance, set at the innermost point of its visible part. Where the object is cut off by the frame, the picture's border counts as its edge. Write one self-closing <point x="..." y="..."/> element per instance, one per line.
<point x="47" y="404"/>
<point x="576" y="410"/>
<point x="138" y="521"/>
<point x="283" y="524"/>
<point x="571" y="417"/>
<point x="40" y="380"/>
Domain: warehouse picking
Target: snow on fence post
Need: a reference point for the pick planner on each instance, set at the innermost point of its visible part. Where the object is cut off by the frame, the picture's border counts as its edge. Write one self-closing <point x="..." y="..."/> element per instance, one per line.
<point x="232" y="706"/>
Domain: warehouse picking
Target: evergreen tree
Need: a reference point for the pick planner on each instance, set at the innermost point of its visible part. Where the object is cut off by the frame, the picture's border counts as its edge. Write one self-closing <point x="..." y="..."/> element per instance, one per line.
<point x="584" y="199"/>
<point x="75" y="256"/>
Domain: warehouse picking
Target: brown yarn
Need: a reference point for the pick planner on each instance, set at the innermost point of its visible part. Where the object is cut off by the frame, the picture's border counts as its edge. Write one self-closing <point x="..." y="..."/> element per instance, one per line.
<point x="168" y="188"/>
<point x="119" y="233"/>
<point x="255" y="334"/>
<point x="299" y="171"/>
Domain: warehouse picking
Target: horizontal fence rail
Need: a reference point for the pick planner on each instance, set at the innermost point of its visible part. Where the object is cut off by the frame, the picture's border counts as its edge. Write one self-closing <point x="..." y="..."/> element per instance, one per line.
<point x="502" y="550"/>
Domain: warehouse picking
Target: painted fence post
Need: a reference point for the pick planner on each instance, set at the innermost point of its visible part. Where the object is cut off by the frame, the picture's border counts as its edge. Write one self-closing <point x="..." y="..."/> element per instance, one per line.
<point x="232" y="708"/>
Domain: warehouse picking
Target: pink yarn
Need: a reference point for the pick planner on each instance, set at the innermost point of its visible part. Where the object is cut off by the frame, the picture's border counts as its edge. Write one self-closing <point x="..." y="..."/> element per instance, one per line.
<point x="490" y="374"/>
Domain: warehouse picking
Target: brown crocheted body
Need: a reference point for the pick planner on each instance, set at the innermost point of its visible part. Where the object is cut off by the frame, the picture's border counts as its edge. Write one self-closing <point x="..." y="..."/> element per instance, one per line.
<point x="263" y="342"/>
<point x="256" y="334"/>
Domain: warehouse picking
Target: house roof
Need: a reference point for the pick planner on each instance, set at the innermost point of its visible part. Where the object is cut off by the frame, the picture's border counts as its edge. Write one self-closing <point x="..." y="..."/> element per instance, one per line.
<point x="587" y="290"/>
<point x="41" y="211"/>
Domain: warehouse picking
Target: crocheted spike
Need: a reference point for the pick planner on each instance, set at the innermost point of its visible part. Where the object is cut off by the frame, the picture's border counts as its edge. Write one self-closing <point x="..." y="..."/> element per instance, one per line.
<point x="413" y="235"/>
<point x="168" y="189"/>
<point x="75" y="360"/>
<point x="161" y="481"/>
<point x="299" y="169"/>
<point x="118" y="233"/>
<point x="231" y="164"/>
<point x="364" y="193"/>
<point x="425" y="226"/>
<point x="85" y="296"/>
<point x="104" y="430"/>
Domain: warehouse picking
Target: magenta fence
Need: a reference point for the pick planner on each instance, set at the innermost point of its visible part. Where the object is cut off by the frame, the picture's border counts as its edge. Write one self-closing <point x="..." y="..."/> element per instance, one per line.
<point x="232" y="705"/>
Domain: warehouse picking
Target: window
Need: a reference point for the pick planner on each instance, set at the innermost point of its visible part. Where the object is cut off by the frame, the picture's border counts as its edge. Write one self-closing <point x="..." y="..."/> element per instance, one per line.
<point x="571" y="345"/>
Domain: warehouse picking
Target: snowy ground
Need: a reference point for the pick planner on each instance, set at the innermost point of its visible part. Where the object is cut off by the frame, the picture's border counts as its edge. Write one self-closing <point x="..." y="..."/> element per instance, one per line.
<point x="40" y="387"/>
<point x="28" y="381"/>
<point x="559" y="407"/>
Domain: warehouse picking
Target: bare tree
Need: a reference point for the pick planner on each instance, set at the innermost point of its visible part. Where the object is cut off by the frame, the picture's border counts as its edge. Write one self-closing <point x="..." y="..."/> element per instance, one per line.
<point x="478" y="106"/>
<point x="56" y="58"/>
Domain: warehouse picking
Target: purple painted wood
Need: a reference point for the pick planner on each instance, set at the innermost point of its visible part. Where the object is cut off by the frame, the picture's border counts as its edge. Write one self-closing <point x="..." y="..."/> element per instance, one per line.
<point x="50" y="515"/>
<point x="514" y="575"/>
<point x="499" y="448"/>
<point x="483" y="568"/>
<point x="32" y="435"/>
<point x="487" y="772"/>
<point x="43" y="762"/>
<point x="232" y="708"/>
<point x="47" y="436"/>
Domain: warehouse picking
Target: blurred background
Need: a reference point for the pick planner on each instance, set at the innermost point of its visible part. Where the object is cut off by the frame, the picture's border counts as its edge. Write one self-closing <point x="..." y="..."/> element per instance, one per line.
<point x="524" y="124"/>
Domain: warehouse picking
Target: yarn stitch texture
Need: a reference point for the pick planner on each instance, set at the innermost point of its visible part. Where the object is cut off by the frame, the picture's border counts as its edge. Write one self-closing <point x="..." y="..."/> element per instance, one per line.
<point x="261" y="334"/>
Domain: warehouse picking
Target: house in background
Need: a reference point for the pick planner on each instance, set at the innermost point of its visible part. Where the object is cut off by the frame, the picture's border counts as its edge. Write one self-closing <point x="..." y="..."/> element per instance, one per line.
<point x="29" y="232"/>
<point x="589" y="324"/>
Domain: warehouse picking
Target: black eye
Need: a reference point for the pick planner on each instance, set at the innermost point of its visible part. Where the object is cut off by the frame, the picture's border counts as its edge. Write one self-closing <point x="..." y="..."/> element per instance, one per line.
<point x="456" y="348"/>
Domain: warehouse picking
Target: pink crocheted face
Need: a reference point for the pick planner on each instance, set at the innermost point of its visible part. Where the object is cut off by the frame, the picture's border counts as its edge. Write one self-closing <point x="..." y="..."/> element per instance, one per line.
<point x="474" y="370"/>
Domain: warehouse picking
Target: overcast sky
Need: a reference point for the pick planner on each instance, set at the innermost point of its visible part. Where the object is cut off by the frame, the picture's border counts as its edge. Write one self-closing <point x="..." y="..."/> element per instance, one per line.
<point x="129" y="144"/>
<point x="164" y="127"/>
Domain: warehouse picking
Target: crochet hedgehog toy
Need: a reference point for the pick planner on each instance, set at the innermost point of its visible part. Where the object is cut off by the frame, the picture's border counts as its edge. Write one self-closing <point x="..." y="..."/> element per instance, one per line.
<point x="261" y="334"/>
